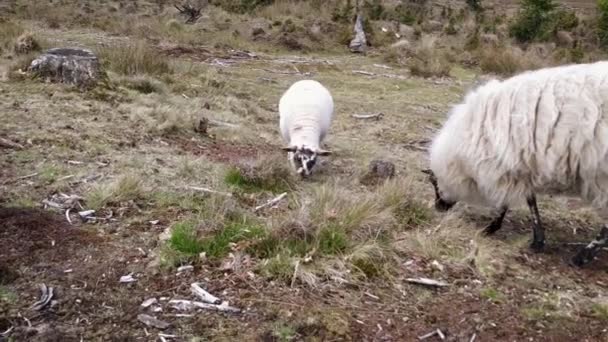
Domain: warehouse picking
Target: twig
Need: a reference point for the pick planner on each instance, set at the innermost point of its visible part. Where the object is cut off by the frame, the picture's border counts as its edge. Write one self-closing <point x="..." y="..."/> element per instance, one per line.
<point x="28" y="176"/>
<point x="204" y="295"/>
<point x="271" y="202"/>
<point x="186" y="305"/>
<point x="295" y="273"/>
<point x="371" y="74"/>
<point x="376" y="116"/>
<point x="67" y="215"/>
<point x="427" y="282"/>
<point x="473" y="338"/>
<point x="361" y="72"/>
<point x="431" y="334"/>
<point x="65" y="178"/>
<point x="197" y="188"/>
<point x="152" y="322"/>
<point x="222" y="124"/>
<point x="10" y="144"/>
<point x="74" y="162"/>
<point x="52" y="204"/>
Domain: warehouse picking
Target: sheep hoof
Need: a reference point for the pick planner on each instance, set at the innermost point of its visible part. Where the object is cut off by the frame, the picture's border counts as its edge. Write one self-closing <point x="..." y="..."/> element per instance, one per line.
<point x="537" y="246"/>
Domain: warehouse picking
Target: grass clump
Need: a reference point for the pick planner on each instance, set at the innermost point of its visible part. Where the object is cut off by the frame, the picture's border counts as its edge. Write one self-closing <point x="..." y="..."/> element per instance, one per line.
<point x="491" y="294"/>
<point x="134" y="59"/>
<point x="602" y="22"/>
<point x="504" y="61"/>
<point x="600" y="311"/>
<point x="126" y="188"/>
<point x="9" y="32"/>
<point x="428" y="61"/>
<point x="266" y="174"/>
<point x="184" y="239"/>
<point x="143" y="84"/>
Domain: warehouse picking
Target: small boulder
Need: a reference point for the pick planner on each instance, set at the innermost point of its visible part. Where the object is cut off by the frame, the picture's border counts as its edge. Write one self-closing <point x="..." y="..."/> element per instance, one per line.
<point x="378" y="171"/>
<point x="564" y="38"/>
<point x="76" y="66"/>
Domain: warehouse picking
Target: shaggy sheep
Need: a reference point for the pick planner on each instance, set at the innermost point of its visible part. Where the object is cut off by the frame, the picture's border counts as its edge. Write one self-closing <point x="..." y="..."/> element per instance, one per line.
<point x="306" y="111"/>
<point x="542" y="132"/>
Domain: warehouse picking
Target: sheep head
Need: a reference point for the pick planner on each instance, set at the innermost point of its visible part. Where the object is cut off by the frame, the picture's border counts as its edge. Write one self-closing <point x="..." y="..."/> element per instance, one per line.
<point x="440" y="203"/>
<point x="303" y="159"/>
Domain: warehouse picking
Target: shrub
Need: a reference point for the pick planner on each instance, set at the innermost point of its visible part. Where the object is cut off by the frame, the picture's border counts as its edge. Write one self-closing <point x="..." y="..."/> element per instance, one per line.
<point x="343" y="14"/>
<point x="474" y="5"/>
<point x="602" y="26"/>
<point x="428" y="61"/>
<point x="533" y="20"/>
<point x="374" y="10"/>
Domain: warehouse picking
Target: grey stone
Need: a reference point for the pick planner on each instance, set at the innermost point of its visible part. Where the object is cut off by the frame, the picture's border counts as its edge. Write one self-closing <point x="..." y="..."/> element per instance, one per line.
<point x="75" y="66"/>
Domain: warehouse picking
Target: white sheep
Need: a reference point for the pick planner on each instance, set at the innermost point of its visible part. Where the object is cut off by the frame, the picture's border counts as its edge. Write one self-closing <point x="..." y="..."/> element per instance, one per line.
<point x="539" y="132"/>
<point x="306" y="111"/>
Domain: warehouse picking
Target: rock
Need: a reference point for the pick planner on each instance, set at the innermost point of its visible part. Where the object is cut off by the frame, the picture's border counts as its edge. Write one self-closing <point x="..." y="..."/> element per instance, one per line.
<point x="378" y="171"/>
<point x="26" y="44"/>
<point x="489" y="39"/>
<point x="68" y="65"/>
<point x="432" y="26"/>
<point x="359" y="43"/>
<point x="564" y="38"/>
<point x="203" y="125"/>
<point x="258" y="31"/>
<point x="407" y="32"/>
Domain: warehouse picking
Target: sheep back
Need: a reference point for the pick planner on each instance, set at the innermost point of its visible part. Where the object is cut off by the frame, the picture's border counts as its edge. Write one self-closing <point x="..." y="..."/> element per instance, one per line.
<point x="540" y="131"/>
<point x="306" y="111"/>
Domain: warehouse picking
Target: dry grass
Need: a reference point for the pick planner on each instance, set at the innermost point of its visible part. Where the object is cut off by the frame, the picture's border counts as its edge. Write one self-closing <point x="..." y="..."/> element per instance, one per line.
<point x="134" y="59"/>
<point x="124" y="189"/>
<point x="505" y="61"/>
<point x="429" y="61"/>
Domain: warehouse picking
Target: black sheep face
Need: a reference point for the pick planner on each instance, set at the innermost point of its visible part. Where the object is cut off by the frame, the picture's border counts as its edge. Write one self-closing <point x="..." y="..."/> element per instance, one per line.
<point x="440" y="203"/>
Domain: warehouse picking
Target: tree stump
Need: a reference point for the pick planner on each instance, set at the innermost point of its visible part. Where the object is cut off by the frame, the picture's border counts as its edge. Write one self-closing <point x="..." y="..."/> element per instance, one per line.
<point x="359" y="43"/>
<point x="75" y="66"/>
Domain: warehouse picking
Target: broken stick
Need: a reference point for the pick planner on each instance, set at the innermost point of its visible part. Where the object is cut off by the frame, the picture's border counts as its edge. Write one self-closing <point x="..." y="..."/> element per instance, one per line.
<point x="376" y="116"/>
<point x="10" y="144"/>
<point x="210" y="191"/>
<point x="271" y="202"/>
<point x="427" y="282"/>
<point x="204" y="295"/>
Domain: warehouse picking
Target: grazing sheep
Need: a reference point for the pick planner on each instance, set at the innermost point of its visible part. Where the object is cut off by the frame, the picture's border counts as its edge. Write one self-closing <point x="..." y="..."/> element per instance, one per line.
<point x="543" y="132"/>
<point x="306" y="110"/>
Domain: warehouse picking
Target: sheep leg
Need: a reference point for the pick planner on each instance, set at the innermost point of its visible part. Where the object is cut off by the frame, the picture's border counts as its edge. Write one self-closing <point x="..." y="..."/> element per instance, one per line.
<point x="496" y="224"/>
<point x="538" y="242"/>
<point x="588" y="253"/>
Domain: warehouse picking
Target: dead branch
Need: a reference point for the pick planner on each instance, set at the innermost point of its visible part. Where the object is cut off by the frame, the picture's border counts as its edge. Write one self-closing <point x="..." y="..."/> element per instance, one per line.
<point x="417" y="145"/>
<point x="427" y="282"/>
<point x="67" y="215"/>
<point x="192" y="13"/>
<point x="271" y="202"/>
<point x="187" y="305"/>
<point x="375" y="116"/>
<point x="210" y="191"/>
<point x="222" y="124"/>
<point x="204" y="295"/>
<point x="52" y="204"/>
<point x="10" y="144"/>
<point x="361" y="72"/>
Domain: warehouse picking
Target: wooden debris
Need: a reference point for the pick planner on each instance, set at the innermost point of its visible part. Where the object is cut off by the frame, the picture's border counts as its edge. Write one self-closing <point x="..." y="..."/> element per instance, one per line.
<point x="67" y="215"/>
<point x="427" y="282"/>
<point x="185" y="268"/>
<point x="10" y="144"/>
<point x="375" y="116"/>
<point x="45" y="297"/>
<point x="204" y="295"/>
<point x="197" y="188"/>
<point x="187" y="305"/>
<point x="74" y="162"/>
<point x="127" y="278"/>
<point x="437" y="332"/>
<point x="52" y="204"/>
<point x="371" y="74"/>
<point x="473" y="338"/>
<point x="85" y="214"/>
<point x="361" y="72"/>
<point x="272" y="202"/>
<point x="148" y="302"/>
<point x="152" y="322"/>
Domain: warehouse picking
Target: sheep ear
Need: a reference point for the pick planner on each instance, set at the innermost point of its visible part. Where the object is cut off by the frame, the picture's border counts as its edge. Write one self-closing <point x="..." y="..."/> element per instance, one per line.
<point x="289" y="148"/>
<point x="323" y="153"/>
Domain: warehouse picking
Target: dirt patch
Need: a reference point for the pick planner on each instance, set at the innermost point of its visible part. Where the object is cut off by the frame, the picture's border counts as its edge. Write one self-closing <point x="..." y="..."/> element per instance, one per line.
<point x="222" y="152"/>
<point x="28" y="235"/>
